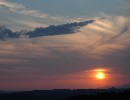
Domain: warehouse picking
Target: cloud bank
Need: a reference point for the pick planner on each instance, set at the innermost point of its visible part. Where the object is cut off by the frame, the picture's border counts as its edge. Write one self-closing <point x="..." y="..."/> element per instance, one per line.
<point x="52" y="59"/>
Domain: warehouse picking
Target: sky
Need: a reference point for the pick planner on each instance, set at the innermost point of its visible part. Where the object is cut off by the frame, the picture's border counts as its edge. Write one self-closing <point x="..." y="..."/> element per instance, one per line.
<point x="68" y="60"/>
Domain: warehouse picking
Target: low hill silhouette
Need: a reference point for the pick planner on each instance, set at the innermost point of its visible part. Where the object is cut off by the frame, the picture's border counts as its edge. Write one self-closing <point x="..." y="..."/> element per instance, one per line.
<point x="66" y="94"/>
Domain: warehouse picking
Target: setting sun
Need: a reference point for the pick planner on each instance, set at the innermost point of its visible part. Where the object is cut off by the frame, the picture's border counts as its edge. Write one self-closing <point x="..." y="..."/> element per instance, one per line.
<point x="100" y="75"/>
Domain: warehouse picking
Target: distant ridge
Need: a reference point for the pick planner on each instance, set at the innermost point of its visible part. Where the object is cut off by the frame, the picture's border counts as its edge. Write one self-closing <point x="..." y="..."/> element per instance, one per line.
<point x="63" y="94"/>
<point x="122" y="86"/>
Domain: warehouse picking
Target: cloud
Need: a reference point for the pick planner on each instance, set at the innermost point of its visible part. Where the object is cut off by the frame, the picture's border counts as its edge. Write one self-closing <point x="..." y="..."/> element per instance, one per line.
<point x="69" y="28"/>
<point x="59" y="57"/>
<point x="112" y="32"/>
<point x="19" y="15"/>
<point x="19" y="8"/>
<point x="58" y="30"/>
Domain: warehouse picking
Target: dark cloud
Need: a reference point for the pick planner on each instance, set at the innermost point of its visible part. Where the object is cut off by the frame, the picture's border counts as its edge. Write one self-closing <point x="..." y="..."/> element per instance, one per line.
<point x="7" y="33"/>
<point x="69" y="28"/>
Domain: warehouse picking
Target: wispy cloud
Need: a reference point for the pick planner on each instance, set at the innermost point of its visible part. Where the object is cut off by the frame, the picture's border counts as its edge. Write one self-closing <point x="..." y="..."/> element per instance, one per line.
<point x="19" y="17"/>
<point x="21" y="9"/>
<point x="110" y="33"/>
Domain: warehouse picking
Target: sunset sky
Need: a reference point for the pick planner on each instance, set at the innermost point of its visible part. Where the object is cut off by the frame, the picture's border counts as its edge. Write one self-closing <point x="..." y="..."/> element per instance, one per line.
<point x="73" y="61"/>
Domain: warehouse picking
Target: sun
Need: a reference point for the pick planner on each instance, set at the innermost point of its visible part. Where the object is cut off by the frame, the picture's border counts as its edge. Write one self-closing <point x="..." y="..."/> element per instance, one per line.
<point x="100" y="75"/>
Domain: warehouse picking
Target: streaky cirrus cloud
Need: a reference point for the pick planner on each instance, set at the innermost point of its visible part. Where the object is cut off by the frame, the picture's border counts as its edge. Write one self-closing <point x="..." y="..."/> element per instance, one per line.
<point x="19" y="8"/>
<point x="31" y="18"/>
